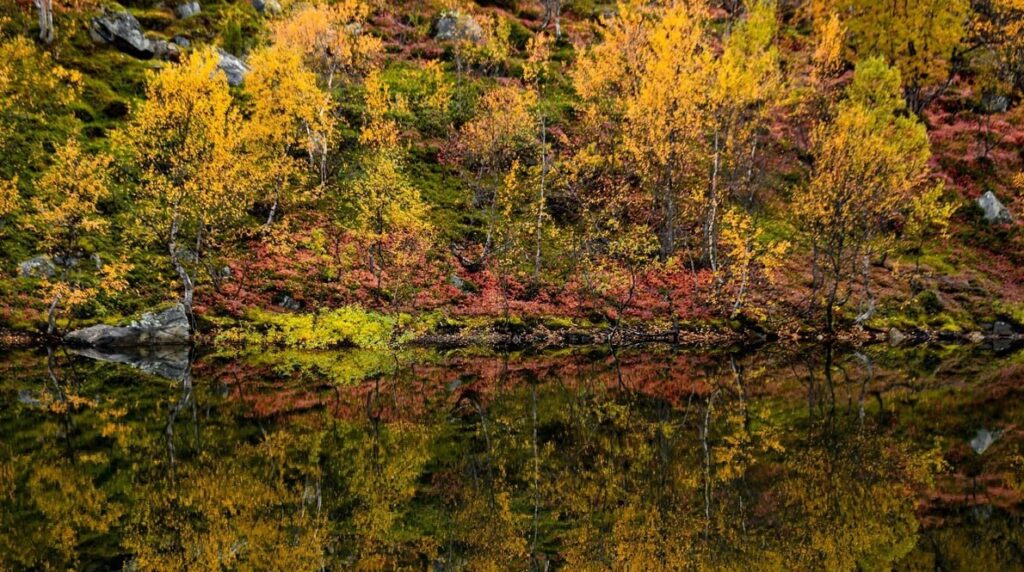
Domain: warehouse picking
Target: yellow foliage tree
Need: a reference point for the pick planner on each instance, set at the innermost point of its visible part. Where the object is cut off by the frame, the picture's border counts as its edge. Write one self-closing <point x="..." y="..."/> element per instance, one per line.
<point x="997" y="28"/>
<point x="870" y="163"/>
<point x="32" y="88"/>
<point x="290" y="113"/>
<point x="185" y="141"/>
<point x="748" y="257"/>
<point x="687" y="120"/>
<point x="928" y="217"/>
<point x="389" y="210"/>
<point x="501" y="135"/>
<point x="66" y="222"/>
<point x="923" y="39"/>
<point x="665" y="118"/>
<point x="746" y="85"/>
<point x="332" y="38"/>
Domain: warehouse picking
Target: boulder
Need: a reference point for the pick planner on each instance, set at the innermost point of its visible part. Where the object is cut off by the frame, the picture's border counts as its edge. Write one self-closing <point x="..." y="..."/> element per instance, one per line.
<point x="995" y="103"/>
<point x="167" y="328"/>
<point x="289" y="303"/>
<point x="984" y="439"/>
<point x="37" y="267"/>
<point x="182" y="42"/>
<point x="267" y="6"/>
<point x="123" y="31"/>
<point x="187" y="10"/>
<point x="166" y="50"/>
<point x="456" y="26"/>
<point x="994" y="210"/>
<point x="232" y="67"/>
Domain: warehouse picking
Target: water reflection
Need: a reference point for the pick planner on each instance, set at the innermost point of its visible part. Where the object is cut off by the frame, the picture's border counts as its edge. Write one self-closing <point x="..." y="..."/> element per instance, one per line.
<point x="810" y="459"/>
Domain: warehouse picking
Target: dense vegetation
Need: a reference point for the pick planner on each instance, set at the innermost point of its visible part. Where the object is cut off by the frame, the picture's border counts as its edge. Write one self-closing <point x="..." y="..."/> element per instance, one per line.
<point x="382" y="168"/>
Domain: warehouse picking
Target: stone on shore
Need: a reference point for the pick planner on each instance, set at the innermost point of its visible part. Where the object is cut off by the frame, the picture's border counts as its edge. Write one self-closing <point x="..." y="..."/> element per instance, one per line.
<point x="167" y="328"/>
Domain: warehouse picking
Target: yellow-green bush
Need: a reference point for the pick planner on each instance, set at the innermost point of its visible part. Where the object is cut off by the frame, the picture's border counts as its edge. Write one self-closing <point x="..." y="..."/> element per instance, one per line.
<point x="329" y="328"/>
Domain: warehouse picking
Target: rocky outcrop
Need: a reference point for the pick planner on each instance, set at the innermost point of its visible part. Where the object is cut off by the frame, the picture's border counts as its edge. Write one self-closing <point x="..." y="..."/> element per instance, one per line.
<point x="37" y="267"/>
<point x="123" y="31"/>
<point x="456" y="26"/>
<point x="234" y="68"/>
<point x="167" y="328"/>
<point x="187" y="10"/>
<point x="267" y="6"/>
<point x="994" y="210"/>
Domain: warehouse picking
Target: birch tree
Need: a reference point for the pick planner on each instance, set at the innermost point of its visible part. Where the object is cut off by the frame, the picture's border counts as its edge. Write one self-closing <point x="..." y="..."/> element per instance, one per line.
<point x="185" y="142"/>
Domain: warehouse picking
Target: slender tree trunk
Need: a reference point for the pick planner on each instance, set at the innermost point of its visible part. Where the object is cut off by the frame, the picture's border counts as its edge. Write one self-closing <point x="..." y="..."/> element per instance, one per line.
<point x="273" y="208"/>
<point x="46" y="32"/>
<point x="186" y="280"/>
<point x="830" y="304"/>
<point x="540" y="202"/>
<point x="712" y="215"/>
<point x="51" y="316"/>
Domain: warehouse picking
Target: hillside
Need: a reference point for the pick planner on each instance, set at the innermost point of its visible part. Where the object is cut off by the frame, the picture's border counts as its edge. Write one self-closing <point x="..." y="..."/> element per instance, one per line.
<point x="377" y="174"/>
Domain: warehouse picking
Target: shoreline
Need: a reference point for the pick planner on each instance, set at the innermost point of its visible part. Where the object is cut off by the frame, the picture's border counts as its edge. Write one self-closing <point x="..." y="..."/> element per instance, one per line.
<point x="543" y="338"/>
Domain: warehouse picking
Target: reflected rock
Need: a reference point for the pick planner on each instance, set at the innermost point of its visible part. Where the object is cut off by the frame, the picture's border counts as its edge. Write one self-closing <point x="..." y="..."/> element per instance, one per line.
<point x="27" y="398"/>
<point x="984" y="439"/>
<point x="168" y="362"/>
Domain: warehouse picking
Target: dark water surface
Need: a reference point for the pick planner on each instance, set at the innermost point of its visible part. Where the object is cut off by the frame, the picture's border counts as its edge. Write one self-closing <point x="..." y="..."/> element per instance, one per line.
<point x="780" y="459"/>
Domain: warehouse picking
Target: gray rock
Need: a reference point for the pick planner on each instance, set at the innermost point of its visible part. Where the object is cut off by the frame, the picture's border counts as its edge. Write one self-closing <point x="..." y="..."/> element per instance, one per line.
<point x="232" y="67"/>
<point x="166" y="50"/>
<point x="182" y="42"/>
<point x="994" y="210"/>
<point x="267" y="6"/>
<point x="170" y="327"/>
<point x="289" y="303"/>
<point x="37" y="267"/>
<point x="66" y="261"/>
<point x="995" y="103"/>
<point x="123" y="31"/>
<point x="169" y="362"/>
<point x="896" y="337"/>
<point x="187" y="10"/>
<point x="455" y="26"/>
<point x="984" y="439"/>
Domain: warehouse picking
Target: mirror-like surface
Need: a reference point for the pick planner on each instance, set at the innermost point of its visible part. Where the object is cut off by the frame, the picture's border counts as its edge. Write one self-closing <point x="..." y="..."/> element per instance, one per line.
<point x="812" y="458"/>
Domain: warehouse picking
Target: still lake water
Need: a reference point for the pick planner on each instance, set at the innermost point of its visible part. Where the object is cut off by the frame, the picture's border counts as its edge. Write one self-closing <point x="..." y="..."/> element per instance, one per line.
<point x="645" y="459"/>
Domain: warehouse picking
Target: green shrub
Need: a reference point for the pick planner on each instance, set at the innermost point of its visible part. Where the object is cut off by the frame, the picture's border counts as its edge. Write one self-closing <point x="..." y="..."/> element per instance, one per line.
<point x="345" y="326"/>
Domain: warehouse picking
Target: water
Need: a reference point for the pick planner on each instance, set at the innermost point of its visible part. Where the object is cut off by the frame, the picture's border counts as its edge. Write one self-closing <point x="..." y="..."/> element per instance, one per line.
<point x="797" y="459"/>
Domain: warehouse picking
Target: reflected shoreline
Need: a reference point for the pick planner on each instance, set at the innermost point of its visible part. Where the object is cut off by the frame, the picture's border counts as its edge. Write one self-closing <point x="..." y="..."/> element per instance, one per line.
<point x="812" y="457"/>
